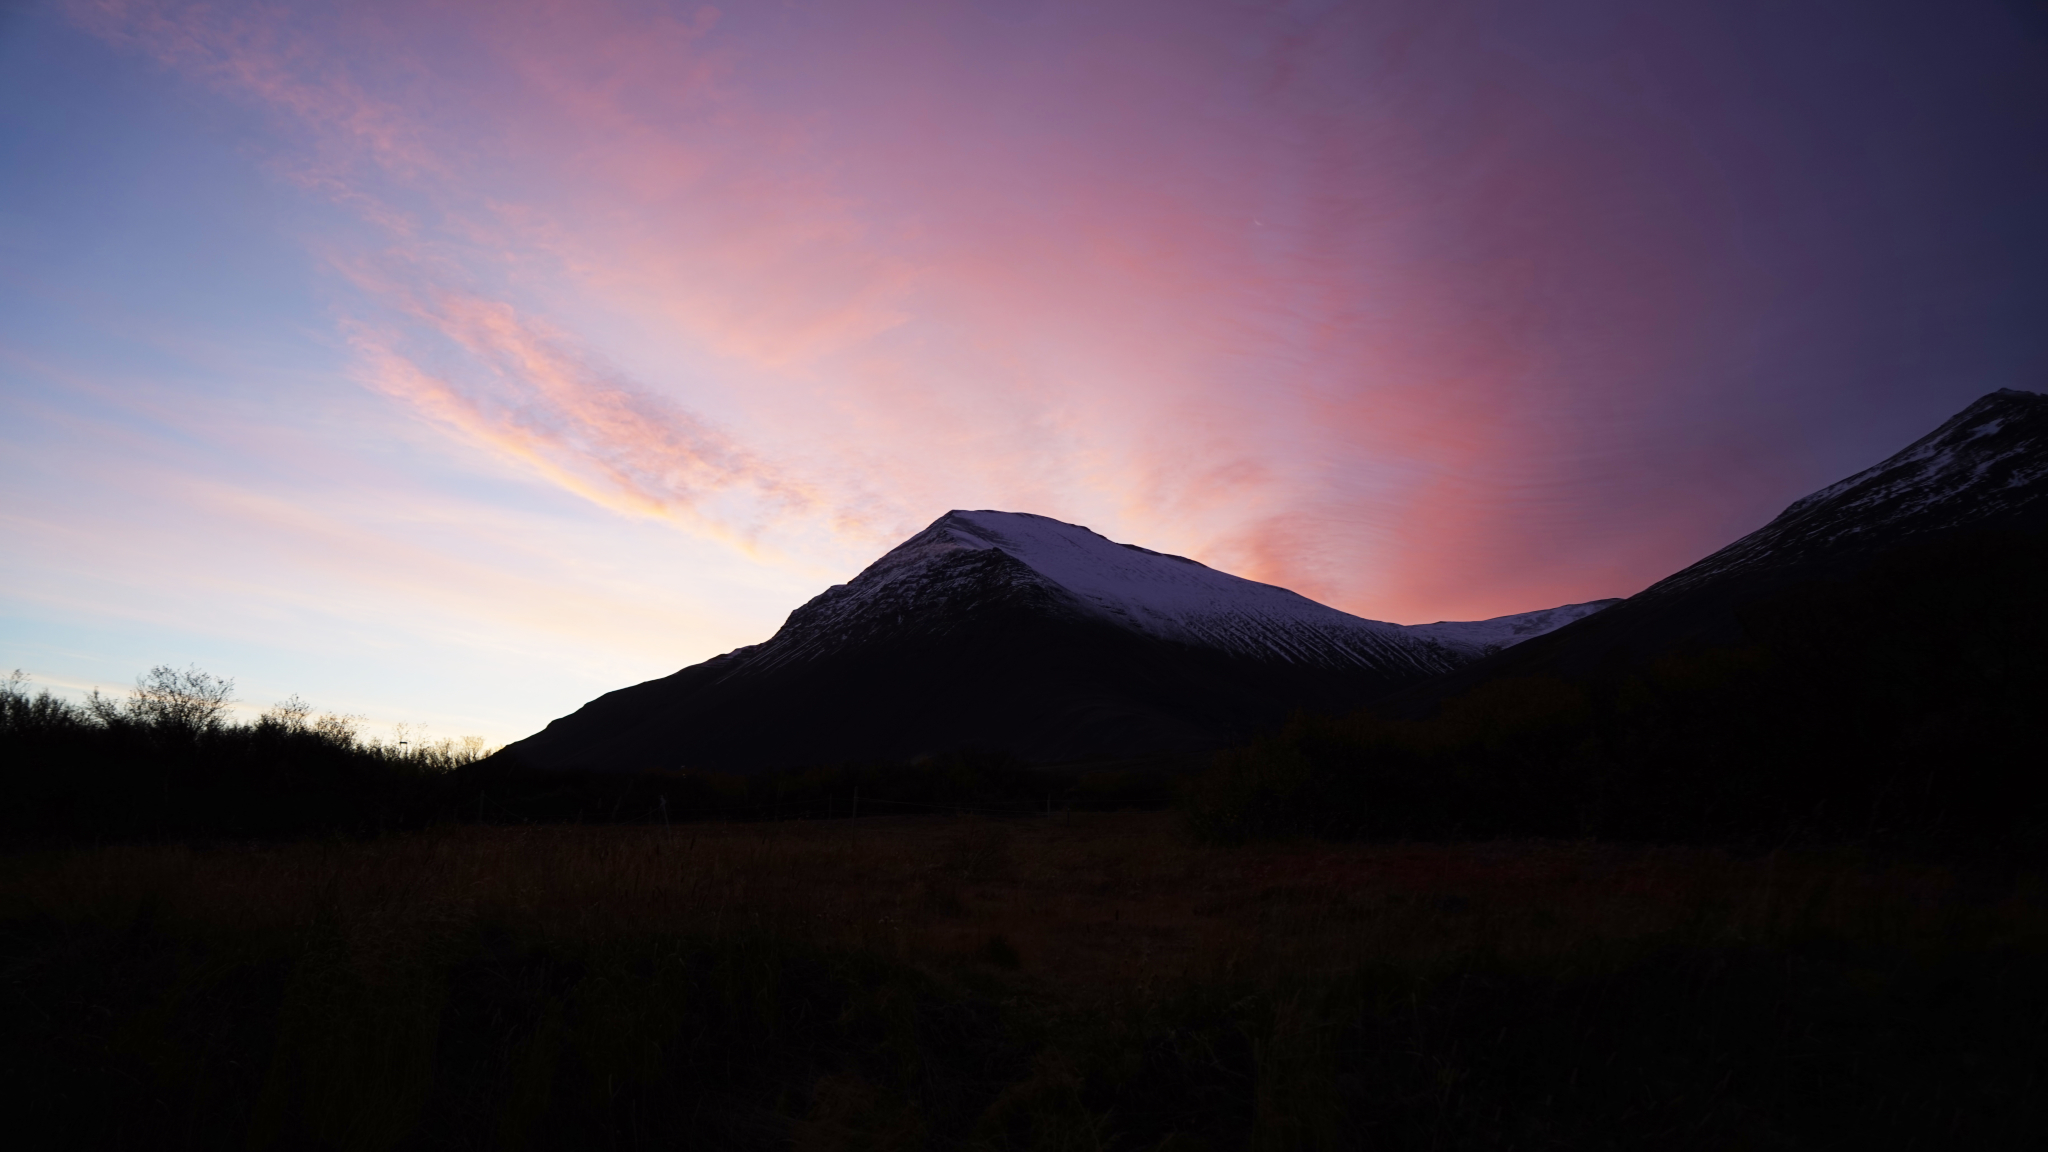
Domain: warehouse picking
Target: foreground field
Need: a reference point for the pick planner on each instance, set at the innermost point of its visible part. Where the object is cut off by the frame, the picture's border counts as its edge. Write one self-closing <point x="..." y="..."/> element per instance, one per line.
<point x="1077" y="981"/>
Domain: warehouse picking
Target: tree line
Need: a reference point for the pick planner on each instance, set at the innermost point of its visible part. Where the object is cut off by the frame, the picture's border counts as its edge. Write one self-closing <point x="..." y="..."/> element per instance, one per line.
<point x="170" y="759"/>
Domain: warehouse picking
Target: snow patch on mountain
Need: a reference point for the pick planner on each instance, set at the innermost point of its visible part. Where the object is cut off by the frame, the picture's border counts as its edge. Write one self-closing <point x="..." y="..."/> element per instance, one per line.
<point x="1167" y="597"/>
<point x="1988" y="460"/>
<point x="1478" y="638"/>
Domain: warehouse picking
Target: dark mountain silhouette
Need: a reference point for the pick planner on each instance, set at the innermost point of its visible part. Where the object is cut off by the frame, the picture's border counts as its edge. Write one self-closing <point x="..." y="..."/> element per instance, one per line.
<point x="1983" y="471"/>
<point x="1013" y="633"/>
<point x="1867" y="668"/>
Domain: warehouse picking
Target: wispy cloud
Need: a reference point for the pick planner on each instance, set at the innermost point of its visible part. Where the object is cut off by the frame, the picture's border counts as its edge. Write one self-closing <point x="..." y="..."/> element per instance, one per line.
<point x="519" y="384"/>
<point x="252" y="50"/>
<point x="529" y="394"/>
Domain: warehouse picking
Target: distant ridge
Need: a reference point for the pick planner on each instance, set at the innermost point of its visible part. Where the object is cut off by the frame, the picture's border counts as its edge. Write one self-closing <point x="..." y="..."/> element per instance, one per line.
<point x="1984" y="469"/>
<point x="1022" y="634"/>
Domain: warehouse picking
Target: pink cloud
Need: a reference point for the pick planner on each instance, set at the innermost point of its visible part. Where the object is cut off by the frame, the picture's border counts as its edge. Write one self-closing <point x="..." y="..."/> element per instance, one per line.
<point x="251" y="51"/>
<point x="1293" y="295"/>
<point x="576" y="422"/>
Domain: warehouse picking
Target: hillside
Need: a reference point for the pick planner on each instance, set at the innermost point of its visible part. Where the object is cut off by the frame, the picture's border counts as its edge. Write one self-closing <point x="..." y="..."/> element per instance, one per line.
<point x="1019" y="634"/>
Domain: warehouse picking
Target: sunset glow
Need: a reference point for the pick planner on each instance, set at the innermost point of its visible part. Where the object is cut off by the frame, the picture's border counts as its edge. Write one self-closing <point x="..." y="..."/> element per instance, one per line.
<point x="454" y="362"/>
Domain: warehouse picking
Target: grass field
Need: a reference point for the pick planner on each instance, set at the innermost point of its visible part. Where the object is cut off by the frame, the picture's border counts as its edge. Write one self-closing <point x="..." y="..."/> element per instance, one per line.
<point x="1073" y="981"/>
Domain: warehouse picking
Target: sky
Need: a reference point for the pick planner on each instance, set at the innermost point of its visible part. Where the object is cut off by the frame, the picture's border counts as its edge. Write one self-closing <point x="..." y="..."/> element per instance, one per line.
<point x="449" y="363"/>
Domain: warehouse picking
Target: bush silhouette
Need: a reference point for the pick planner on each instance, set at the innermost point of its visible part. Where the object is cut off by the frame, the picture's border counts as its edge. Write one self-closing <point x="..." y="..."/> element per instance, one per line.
<point x="168" y="760"/>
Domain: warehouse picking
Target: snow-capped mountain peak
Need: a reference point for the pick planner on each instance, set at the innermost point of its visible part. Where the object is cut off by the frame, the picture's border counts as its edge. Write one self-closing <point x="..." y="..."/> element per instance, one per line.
<point x="1989" y="437"/>
<point x="1167" y="596"/>
<point x="979" y="554"/>
<point x="1986" y="465"/>
<point x="1020" y="632"/>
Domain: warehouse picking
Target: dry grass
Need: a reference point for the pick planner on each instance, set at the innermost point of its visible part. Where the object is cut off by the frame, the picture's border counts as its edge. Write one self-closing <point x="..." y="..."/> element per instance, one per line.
<point x="1109" y="902"/>
<point x="1072" y="981"/>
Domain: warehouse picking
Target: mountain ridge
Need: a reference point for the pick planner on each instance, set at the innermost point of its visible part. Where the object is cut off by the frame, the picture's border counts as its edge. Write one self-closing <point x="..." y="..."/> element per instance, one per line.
<point x="1027" y="635"/>
<point x="1941" y="482"/>
<point x="1983" y="469"/>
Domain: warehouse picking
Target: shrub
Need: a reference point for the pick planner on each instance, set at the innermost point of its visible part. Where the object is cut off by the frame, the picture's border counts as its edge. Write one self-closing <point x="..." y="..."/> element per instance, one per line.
<point x="168" y="761"/>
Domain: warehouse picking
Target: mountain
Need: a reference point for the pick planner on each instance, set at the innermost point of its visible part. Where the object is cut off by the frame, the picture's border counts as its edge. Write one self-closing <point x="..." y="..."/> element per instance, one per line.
<point x="1984" y="470"/>
<point x="1867" y="668"/>
<point x="1476" y="638"/>
<point x="1017" y="633"/>
<point x="1986" y="467"/>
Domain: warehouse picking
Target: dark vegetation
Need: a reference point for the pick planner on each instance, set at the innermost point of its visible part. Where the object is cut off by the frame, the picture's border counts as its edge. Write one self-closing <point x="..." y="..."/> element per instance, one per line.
<point x="168" y="763"/>
<point x="1087" y="981"/>
<point x="1905" y="708"/>
<point x="982" y="783"/>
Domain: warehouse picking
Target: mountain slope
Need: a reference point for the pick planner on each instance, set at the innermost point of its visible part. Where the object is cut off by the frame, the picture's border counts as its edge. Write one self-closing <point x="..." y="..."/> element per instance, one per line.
<point x="1986" y="466"/>
<point x="1019" y="633"/>
<point x="1867" y="668"/>
<point x="1984" y="469"/>
<point x="1476" y="638"/>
